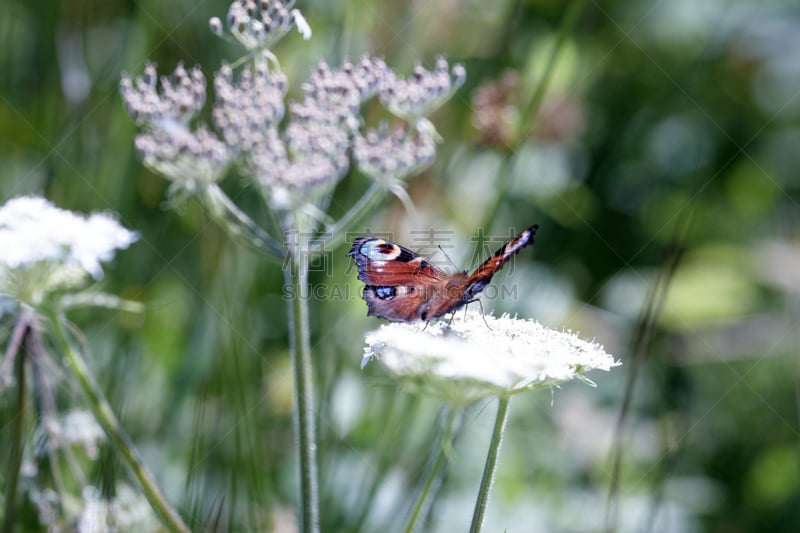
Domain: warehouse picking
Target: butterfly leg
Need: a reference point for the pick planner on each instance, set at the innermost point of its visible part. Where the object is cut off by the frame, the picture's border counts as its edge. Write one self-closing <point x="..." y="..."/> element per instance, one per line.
<point x="483" y="313"/>
<point x="452" y="316"/>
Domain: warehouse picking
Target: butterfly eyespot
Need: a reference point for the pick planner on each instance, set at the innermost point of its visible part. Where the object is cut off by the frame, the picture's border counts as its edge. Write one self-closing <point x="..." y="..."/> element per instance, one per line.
<point x="380" y="250"/>
<point x="385" y="293"/>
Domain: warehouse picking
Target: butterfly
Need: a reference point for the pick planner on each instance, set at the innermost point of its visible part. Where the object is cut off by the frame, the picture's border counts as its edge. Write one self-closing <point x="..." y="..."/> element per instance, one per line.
<point x="403" y="286"/>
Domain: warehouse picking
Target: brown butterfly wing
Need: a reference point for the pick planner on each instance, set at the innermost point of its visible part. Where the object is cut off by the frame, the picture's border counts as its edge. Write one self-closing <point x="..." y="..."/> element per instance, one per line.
<point x="483" y="274"/>
<point x="402" y="286"/>
<point x="404" y="303"/>
<point x="398" y="281"/>
<point x="386" y="264"/>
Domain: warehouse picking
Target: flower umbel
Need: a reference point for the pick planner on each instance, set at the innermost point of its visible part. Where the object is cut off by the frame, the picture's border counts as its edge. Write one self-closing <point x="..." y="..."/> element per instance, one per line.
<point x="469" y="361"/>
<point x="181" y="97"/>
<point x="190" y="159"/>
<point x="258" y="25"/>
<point x="247" y="112"/>
<point x="390" y="155"/>
<point x="424" y="90"/>
<point x="46" y="248"/>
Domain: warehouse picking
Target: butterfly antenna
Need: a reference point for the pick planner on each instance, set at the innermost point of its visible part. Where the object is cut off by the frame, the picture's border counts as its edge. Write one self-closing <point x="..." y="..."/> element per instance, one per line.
<point x="448" y="257"/>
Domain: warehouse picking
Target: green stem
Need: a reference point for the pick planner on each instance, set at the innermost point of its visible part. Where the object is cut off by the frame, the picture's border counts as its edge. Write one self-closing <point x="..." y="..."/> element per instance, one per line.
<point x="238" y="225"/>
<point x="25" y="320"/>
<point x="490" y="466"/>
<point x="337" y="231"/>
<point x="433" y="472"/>
<point x="641" y="343"/>
<point x="296" y="279"/>
<point x="45" y="404"/>
<point x="122" y="442"/>
<point x="15" y="455"/>
<point x="530" y="112"/>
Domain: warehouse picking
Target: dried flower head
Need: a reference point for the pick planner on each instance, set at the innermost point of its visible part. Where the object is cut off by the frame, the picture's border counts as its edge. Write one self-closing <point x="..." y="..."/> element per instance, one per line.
<point x="247" y="112"/>
<point x="495" y="110"/>
<point x="289" y="181"/>
<point x="168" y="145"/>
<point x="389" y="155"/>
<point x="469" y="361"/>
<point x="46" y="248"/>
<point x="424" y="90"/>
<point x="314" y="152"/>
<point x="340" y="92"/>
<point x="191" y="159"/>
<point x="259" y="25"/>
<point x="182" y="95"/>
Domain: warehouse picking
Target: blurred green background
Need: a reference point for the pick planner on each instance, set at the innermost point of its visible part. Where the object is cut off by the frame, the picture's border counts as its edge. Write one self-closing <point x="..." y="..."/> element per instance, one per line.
<point x="668" y="129"/>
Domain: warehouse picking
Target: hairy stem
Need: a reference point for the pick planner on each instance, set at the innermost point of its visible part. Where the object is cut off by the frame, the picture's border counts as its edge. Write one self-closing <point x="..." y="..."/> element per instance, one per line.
<point x="296" y="278"/>
<point x="491" y="465"/>
<point x="121" y="441"/>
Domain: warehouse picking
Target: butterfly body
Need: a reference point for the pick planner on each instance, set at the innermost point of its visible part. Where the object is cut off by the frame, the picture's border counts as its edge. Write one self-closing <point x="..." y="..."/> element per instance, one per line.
<point x="402" y="286"/>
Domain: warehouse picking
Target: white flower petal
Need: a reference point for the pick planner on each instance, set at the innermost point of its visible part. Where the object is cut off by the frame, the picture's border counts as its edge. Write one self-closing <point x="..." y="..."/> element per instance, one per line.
<point x="302" y="25"/>
<point x="32" y="229"/>
<point x="507" y="357"/>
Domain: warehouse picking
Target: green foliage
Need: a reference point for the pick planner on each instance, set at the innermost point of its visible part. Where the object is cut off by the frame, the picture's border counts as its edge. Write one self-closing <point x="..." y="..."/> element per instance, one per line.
<point x="655" y="112"/>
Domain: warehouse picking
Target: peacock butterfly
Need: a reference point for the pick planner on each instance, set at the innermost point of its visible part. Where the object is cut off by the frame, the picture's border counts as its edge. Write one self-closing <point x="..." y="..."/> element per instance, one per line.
<point x="402" y="286"/>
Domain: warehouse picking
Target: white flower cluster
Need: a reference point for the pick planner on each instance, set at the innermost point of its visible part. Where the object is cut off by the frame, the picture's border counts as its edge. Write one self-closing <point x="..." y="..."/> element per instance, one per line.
<point x="80" y="428"/>
<point x="127" y="511"/>
<point x="469" y="360"/>
<point x="34" y="233"/>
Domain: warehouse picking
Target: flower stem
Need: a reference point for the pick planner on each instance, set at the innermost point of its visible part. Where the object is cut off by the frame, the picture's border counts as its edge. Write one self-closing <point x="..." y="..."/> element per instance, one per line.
<point x="432" y="474"/>
<point x="296" y="277"/>
<point x="45" y="403"/>
<point x="238" y="225"/>
<point x="530" y="114"/>
<point x="490" y="466"/>
<point x="120" y="439"/>
<point x="359" y="209"/>
<point x="16" y="434"/>
<point x="14" y="344"/>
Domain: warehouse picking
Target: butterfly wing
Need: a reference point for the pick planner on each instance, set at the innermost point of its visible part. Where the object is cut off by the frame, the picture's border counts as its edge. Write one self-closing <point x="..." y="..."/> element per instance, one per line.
<point x="398" y="281"/>
<point x="483" y="274"/>
<point x="404" y="303"/>
<point x="403" y="286"/>
<point x="386" y="264"/>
